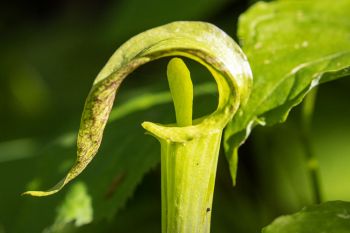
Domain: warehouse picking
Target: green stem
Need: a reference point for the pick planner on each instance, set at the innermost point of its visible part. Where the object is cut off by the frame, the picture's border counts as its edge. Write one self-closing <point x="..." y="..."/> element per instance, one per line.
<point x="312" y="161"/>
<point x="188" y="177"/>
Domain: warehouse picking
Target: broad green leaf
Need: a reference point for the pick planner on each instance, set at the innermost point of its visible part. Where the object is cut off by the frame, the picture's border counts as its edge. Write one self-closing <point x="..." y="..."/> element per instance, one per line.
<point x="292" y="46"/>
<point x="199" y="41"/>
<point x="328" y="217"/>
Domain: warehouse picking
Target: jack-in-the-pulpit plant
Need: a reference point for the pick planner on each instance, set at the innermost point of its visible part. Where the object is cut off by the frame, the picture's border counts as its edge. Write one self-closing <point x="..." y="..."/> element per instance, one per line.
<point x="189" y="147"/>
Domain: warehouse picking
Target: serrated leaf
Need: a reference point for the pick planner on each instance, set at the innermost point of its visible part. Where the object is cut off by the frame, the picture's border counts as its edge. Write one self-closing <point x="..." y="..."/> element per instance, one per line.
<point x="292" y="46"/>
<point x="76" y="209"/>
<point x="328" y="217"/>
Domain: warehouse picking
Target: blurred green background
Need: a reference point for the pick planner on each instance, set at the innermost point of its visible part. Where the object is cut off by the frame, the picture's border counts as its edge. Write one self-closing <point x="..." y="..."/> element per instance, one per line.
<point x="50" y="52"/>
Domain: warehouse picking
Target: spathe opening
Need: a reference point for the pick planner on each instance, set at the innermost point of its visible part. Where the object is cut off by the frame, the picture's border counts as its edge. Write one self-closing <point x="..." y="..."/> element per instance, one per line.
<point x="146" y="91"/>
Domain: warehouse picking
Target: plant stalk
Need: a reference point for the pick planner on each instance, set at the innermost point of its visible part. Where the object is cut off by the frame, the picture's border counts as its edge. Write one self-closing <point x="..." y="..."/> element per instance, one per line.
<point x="311" y="159"/>
<point x="188" y="177"/>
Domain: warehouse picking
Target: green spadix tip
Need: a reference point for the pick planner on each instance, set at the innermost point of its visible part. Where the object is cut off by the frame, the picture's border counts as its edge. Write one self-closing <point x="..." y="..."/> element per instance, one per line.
<point x="181" y="89"/>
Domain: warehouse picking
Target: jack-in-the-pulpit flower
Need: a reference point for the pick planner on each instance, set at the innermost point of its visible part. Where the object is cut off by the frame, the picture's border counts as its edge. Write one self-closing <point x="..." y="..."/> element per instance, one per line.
<point x="189" y="147"/>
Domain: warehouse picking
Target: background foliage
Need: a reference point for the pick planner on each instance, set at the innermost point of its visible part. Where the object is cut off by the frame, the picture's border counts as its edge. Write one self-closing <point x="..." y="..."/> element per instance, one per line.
<point x="50" y="54"/>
